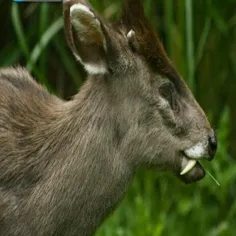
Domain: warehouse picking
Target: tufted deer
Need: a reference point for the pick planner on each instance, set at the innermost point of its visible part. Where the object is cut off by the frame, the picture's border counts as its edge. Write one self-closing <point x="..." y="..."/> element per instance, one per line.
<point x="64" y="166"/>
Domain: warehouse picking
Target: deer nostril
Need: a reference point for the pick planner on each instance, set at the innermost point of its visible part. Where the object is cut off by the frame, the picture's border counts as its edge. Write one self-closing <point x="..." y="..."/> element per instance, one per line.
<point x="212" y="146"/>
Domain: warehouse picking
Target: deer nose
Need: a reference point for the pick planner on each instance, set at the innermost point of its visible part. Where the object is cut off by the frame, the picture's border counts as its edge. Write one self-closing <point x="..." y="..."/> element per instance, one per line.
<point x="212" y="147"/>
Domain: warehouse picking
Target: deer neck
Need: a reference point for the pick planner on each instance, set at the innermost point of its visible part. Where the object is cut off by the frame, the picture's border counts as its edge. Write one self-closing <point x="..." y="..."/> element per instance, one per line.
<point x="99" y="176"/>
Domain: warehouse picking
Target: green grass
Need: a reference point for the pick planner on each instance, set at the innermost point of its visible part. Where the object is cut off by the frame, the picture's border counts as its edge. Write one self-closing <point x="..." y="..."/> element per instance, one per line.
<point x="199" y="37"/>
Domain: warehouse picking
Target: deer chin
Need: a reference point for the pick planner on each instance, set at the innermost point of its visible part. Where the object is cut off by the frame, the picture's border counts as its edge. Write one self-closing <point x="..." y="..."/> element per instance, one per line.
<point x="196" y="173"/>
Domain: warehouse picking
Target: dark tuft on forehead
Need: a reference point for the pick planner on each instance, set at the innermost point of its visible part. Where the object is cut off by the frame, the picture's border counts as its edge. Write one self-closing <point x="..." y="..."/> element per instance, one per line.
<point x="149" y="45"/>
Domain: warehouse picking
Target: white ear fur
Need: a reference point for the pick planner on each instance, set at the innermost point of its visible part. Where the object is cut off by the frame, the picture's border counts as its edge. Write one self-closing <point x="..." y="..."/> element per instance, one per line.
<point x="131" y="36"/>
<point x="92" y="69"/>
<point x="80" y="8"/>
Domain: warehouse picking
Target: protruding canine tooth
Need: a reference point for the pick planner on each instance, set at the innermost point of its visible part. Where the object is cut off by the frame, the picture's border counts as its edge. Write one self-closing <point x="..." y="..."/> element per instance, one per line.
<point x="189" y="166"/>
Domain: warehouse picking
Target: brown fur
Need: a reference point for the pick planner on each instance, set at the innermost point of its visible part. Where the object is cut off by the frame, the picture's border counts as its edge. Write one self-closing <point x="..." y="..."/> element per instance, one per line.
<point x="150" y="46"/>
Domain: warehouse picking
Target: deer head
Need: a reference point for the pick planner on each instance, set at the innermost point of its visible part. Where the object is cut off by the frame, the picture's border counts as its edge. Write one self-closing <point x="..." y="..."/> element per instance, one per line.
<point x="159" y="123"/>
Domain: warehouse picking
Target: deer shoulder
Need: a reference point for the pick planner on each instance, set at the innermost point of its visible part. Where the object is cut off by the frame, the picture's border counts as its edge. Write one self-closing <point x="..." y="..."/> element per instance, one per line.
<point x="22" y="100"/>
<point x="25" y="110"/>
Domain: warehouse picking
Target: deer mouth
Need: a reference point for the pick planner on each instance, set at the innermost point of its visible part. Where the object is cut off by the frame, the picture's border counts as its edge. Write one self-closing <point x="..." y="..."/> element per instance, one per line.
<point x="187" y="164"/>
<point x="190" y="170"/>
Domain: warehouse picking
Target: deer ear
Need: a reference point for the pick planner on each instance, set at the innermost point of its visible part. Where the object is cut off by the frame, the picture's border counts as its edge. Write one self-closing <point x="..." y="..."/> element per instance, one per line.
<point x="86" y="36"/>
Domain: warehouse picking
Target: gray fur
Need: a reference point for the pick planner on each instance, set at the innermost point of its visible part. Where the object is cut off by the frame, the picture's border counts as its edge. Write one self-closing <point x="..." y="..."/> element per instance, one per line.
<point x="65" y="166"/>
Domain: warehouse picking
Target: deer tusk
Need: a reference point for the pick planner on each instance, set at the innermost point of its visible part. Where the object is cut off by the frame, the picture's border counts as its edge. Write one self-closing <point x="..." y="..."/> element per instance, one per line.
<point x="189" y="166"/>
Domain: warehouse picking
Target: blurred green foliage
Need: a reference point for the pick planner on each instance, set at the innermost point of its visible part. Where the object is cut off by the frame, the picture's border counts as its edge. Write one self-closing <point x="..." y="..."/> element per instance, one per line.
<point x="200" y="38"/>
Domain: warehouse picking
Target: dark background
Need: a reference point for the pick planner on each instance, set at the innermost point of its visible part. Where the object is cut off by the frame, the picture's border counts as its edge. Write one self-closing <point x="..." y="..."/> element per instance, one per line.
<point x="200" y="38"/>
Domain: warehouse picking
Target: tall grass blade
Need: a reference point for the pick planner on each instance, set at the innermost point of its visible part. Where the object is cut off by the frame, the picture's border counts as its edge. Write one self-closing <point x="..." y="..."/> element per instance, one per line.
<point x="203" y="40"/>
<point x="43" y="23"/>
<point x="169" y="23"/>
<point x="68" y="62"/>
<point x="16" y="20"/>
<point x="190" y="43"/>
<point x="44" y="41"/>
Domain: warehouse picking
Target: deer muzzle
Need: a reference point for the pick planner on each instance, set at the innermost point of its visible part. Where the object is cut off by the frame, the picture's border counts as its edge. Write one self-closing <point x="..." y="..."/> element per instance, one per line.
<point x="200" y="151"/>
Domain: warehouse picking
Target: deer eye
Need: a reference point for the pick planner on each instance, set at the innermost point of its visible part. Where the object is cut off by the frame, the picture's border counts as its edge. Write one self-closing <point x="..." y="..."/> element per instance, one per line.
<point x="166" y="90"/>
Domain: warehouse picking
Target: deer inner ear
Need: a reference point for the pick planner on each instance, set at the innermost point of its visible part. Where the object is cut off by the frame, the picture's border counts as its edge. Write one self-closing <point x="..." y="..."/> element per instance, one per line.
<point x="132" y="40"/>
